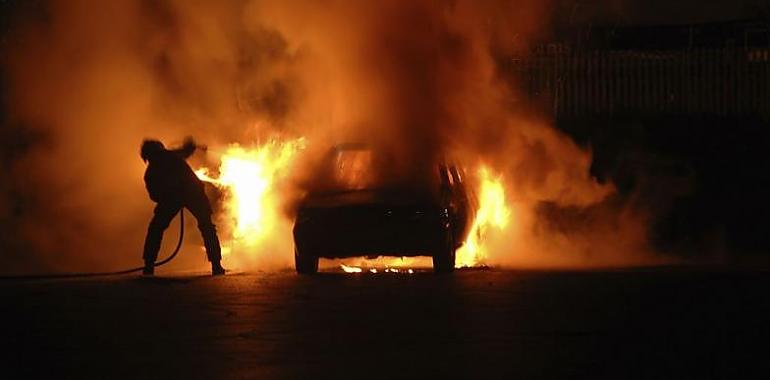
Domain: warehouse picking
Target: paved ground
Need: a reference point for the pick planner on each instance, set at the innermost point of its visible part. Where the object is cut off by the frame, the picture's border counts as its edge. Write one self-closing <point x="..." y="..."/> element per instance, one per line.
<point x="645" y="323"/>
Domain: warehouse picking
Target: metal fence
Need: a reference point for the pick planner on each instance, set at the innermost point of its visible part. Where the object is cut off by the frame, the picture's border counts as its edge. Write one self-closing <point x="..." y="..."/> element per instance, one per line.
<point x="712" y="81"/>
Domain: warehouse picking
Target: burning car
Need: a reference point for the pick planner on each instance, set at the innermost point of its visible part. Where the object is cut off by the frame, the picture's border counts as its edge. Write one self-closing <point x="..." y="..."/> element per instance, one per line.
<point x="355" y="207"/>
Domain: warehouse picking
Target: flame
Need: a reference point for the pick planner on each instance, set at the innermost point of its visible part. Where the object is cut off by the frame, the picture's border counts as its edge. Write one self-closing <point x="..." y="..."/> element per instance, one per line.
<point x="385" y="264"/>
<point x="493" y="212"/>
<point x="205" y="176"/>
<point x="349" y="269"/>
<point x="357" y="269"/>
<point x="248" y="177"/>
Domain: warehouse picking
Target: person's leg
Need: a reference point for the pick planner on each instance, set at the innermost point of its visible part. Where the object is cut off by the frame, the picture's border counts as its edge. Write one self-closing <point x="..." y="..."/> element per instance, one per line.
<point x="200" y="208"/>
<point x="164" y="213"/>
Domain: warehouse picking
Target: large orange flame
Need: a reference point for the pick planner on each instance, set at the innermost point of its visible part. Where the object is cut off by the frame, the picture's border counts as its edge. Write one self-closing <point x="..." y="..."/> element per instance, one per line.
<point x="493" y="212"/>
<point x="247" y="177"/>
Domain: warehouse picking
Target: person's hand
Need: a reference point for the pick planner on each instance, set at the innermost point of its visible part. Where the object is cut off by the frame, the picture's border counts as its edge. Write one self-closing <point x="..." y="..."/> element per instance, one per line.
<point x="189" y="143"/>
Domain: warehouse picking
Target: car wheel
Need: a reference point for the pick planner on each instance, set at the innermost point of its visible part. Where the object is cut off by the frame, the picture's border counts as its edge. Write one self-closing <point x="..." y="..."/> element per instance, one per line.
<point x="305" y="264"/>
<point x="444" y="256"/>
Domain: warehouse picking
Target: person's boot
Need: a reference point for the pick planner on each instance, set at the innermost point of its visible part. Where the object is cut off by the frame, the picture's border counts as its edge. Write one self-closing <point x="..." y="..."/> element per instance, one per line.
<point x="216" y="268"/>
<point x="149" y="268"/>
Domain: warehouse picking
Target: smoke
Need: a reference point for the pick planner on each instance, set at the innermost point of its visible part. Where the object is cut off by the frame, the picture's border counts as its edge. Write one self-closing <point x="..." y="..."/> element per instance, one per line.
<point x="423" y="78"/>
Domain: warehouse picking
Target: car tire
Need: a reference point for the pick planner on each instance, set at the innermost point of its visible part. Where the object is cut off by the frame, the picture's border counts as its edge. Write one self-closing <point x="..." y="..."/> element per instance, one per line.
<point x="305" y="264"/>
<point x="444" y="256"/>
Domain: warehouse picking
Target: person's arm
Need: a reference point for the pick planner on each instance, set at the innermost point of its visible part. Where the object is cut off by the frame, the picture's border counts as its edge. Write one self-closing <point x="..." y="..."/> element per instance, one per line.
<point x="187" y="149"/>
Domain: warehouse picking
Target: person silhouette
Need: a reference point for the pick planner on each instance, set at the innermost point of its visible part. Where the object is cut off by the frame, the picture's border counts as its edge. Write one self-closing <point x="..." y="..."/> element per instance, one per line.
<point x="173" y="185"/>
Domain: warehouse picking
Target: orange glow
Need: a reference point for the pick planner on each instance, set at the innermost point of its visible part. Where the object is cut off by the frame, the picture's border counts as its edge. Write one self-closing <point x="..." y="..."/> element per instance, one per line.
<point x="493" y="212"/>
<point x="349" y="269"/>
<point x="358" y="269"/>
<point x="386" y="264"/>
<point x="248" y="177"/>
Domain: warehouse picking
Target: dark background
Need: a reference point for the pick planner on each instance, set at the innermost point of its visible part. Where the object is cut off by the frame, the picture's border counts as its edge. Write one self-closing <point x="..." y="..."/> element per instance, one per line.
<point x="720" y="158"/>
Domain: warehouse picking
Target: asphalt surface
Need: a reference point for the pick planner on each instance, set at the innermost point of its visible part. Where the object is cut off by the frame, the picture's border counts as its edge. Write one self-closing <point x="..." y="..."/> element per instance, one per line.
<point x="644" y="323"/>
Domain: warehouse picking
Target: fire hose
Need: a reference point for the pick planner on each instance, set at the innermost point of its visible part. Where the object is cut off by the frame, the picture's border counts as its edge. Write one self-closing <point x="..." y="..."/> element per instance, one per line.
<point x="116" y="273"/>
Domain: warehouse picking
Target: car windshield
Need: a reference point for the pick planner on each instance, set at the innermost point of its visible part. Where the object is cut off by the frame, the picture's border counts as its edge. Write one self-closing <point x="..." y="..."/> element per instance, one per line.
<point x="352" y="169"/>
<point x="358" y="167"/>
